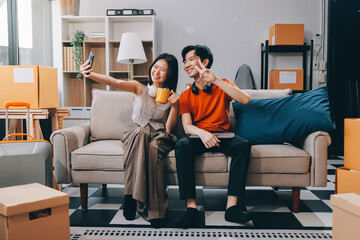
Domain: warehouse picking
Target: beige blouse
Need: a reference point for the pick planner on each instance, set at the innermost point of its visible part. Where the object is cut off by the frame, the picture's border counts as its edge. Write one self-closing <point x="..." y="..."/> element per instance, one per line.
<point x="146" y="111"/>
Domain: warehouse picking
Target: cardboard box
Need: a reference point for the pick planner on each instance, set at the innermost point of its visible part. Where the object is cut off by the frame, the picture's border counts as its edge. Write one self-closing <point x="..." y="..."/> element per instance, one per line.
<point x="352" y="143"/>
<point x="347" y="180"/>
<point x="286" y="34"/>
<point x="286" y="78"/>
<point x="346" y="216"/>
<point x="33" y="211"/>
<point x="36" y="85"/>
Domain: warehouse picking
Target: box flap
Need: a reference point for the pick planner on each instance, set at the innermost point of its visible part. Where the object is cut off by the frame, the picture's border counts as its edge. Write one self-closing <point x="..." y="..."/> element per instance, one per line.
<point x="28" y="198"/>
<point x="48" y="87"/>
<point x="4" y="233"/>
<point x="349" y="202"/>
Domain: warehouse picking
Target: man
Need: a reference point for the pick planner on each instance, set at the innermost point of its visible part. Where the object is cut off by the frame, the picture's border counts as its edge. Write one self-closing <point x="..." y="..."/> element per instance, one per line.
<point x="204" y="110"/>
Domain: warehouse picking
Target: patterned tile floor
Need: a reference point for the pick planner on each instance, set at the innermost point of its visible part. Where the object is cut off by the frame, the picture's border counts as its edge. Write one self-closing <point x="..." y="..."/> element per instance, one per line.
<point x="270" y="209"/>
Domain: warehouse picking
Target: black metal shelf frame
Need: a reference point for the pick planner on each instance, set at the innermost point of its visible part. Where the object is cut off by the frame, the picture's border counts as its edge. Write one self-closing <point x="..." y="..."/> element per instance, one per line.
<point x="266" y="49"/>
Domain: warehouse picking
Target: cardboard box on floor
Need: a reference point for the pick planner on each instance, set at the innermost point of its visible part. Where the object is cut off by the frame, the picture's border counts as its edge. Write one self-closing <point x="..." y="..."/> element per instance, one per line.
<point x="346" y="216"/>
<point x="286" y="34"/>
<point x="36" y="85"/>
<point x="352" y="143"/>
<point x="287" y="78"/>
<point x="33" y="211"/>
<point x="347" y="180"/>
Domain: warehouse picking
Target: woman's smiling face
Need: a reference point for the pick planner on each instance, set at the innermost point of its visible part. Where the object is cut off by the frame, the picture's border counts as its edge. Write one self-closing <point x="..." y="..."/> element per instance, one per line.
<point x="159" y="72"/>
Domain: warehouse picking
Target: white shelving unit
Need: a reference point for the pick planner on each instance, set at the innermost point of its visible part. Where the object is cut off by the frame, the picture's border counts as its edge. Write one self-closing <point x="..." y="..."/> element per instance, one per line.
<point x="76" y="93"/>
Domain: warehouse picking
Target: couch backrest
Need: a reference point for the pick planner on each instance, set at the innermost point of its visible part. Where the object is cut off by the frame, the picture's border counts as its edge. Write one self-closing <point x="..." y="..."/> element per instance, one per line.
<point x="111" y="112"/>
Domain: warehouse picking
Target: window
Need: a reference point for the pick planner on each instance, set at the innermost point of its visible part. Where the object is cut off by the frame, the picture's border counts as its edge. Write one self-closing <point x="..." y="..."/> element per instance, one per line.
<point x="4" y="37"/>
<point x="25" y="22"/>
<point x="25" y="31"/>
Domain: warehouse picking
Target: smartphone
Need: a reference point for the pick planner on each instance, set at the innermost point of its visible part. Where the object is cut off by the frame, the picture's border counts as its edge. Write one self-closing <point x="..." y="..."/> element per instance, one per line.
<point x="91" y="58"/>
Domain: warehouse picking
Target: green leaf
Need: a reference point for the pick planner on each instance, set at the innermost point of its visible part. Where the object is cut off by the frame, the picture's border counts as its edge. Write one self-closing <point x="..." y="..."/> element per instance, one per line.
<point x="76" y="43"/>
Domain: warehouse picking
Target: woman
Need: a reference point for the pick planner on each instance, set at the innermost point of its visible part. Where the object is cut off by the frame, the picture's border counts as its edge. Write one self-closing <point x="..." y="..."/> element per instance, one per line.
<point x="148" y="143"/>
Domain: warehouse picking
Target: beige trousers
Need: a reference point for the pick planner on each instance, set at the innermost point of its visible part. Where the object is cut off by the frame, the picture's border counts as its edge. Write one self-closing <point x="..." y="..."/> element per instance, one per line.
<point x="145" y="169"/>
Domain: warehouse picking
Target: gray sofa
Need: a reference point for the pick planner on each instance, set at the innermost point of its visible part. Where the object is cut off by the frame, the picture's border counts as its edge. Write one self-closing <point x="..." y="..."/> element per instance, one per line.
<point x="92" y="153"/>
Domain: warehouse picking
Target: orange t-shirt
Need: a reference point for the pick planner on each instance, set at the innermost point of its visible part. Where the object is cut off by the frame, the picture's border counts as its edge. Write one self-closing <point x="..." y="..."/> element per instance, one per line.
<point x="208" y="111"/>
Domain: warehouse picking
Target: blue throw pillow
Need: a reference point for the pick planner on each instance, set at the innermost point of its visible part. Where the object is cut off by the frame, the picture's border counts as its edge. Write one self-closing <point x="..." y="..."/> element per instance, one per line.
<point x="278" y="120"/>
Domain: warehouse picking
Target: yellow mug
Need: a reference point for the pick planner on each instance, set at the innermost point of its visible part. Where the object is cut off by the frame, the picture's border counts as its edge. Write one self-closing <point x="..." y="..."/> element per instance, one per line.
<point x="162" y="95"/>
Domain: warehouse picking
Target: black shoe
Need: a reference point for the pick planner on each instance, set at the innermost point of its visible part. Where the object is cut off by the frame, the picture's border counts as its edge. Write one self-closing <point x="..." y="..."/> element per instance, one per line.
<point x="158" y="222"/>
<point x="189" y="219"/>
<point x="236" y="214"/>
<point x="129" y="210"/>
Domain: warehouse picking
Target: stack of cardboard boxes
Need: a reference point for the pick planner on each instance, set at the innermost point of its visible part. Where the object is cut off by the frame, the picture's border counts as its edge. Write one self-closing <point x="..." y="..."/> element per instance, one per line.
<point x="348" y="177"/>
<point x="346" y="203"/>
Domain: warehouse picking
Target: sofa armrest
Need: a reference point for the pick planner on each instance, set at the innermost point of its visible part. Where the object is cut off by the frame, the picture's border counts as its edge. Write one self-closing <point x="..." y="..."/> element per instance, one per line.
<point x="316" y="144"/>
<point x="64" y="142"/>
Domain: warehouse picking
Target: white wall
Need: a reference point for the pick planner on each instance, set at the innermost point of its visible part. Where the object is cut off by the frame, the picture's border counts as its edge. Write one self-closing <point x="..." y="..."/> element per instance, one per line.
<point x="42" y="35"/>
<point x="233" y="29"/>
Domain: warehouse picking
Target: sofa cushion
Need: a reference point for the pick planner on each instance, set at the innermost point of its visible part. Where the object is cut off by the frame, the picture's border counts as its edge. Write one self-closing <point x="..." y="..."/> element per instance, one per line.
<point x="270" y="158"/>
<point x="99" y="155"/>
<point x="278" y="120"/>
<point x="209" y="162"/>
<point x="278" y="158"/>
<point x="110" y="114"/>
<point x="108" y="155"/>
<point x="259" y="94"/>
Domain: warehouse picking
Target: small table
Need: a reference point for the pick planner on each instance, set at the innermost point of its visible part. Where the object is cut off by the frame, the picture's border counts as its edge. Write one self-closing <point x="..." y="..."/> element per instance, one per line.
<point x="56" y="114"/>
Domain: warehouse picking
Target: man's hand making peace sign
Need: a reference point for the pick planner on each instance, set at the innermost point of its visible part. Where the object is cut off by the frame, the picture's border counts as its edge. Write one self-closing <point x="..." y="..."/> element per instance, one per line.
<point x="209" y="77"/>
<point x="206" y="74"/>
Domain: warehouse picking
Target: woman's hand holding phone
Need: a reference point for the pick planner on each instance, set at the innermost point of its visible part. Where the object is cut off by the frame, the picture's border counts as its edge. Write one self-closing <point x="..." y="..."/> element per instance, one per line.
<point x="86" y="68"/>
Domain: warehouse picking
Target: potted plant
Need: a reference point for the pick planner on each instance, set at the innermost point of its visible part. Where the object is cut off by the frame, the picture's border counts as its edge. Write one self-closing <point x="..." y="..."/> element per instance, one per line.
<point x="76" y="43"/>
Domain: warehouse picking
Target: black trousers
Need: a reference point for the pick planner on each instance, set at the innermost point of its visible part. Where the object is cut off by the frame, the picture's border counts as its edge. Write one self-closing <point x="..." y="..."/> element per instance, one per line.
<point x="237" y="148"/>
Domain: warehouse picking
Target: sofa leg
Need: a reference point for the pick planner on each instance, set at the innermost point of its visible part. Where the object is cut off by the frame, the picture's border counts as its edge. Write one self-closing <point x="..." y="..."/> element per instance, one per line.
<point x="84" y="195"/>
<point x="295" y="199"/>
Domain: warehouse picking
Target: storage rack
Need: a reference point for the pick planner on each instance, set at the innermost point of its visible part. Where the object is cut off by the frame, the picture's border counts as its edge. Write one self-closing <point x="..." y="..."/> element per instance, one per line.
<point x="304" y="49"/>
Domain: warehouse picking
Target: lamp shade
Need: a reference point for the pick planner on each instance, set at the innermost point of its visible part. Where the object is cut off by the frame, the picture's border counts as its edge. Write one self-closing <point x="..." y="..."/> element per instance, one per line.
<point x="131" y="48"/>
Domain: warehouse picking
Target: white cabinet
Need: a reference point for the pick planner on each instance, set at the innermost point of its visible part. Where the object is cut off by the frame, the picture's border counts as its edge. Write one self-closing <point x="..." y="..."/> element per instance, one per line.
<point x="116" y="26"/>
<point x="76" y="93"/>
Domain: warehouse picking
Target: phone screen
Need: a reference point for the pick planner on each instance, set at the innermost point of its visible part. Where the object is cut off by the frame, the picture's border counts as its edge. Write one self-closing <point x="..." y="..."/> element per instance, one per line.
<point x="91" y="58"/>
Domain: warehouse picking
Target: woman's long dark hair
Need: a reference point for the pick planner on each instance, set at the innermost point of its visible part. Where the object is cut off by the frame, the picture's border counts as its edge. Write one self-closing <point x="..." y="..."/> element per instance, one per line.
<point x="172" y="72"/>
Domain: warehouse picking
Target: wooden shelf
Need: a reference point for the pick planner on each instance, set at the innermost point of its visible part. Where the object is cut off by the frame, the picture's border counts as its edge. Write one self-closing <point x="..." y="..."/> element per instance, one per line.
<point x="118" y="41"/>
<point x="141" y="76"/>
<point x="119" y="72"/>
<point x="95" y="42"/>
<point x="286" y="48"/>
<point x="78" y="92"/>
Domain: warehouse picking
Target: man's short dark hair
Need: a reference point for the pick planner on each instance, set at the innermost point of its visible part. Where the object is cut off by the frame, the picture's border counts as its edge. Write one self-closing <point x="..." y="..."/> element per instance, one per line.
<point x="200" y="50"/>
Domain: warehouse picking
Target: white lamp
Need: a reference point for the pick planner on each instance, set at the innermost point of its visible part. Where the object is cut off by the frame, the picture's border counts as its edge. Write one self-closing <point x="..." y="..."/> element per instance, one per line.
<point x="131" y="51"/>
